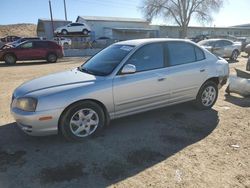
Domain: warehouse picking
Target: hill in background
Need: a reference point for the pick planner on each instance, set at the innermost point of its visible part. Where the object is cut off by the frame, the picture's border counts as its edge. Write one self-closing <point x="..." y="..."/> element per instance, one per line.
<point x="22" y="30"/>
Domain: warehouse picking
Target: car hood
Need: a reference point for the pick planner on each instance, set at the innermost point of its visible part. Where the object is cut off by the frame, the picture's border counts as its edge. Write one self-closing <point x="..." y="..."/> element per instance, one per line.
<point x="61" y="79"/>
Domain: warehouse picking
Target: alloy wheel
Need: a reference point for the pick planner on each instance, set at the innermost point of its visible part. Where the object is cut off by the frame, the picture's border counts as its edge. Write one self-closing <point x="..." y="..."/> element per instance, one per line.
<point x="84" y="122"/>
<point x="208" y="96"/>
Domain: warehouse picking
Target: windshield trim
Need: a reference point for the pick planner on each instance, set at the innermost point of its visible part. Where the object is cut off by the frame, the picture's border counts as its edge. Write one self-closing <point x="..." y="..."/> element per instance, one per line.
<point x="96" y="73"/>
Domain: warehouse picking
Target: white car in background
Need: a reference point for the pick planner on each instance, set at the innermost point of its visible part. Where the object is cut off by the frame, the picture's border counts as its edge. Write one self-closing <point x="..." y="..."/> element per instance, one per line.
<point x="62" y="41"/>
<point x="222" y="47"/>
<point x="73" y="28"/>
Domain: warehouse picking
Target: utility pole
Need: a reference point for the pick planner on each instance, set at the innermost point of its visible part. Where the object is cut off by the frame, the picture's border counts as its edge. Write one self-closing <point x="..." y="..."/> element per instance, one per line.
<point x="51" y="18"/>
<point x="65" y="10"/>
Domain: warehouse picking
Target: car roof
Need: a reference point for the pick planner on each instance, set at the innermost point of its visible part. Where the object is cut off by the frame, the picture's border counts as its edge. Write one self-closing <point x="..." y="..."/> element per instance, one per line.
<point x="138" y="42"/>
<point x="216" y="40"/>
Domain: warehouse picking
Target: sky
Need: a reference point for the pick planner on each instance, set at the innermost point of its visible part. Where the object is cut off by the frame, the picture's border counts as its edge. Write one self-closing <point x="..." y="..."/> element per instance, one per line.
<point x="234" y="12"/>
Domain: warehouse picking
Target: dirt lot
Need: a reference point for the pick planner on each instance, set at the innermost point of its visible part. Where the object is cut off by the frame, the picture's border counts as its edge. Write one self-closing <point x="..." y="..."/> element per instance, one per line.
<point x="176" y="146"/>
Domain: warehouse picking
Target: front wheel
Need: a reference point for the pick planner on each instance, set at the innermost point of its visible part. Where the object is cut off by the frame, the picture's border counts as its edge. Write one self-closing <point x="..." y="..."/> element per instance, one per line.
<point x="64" y="32"/>
<point x="82" y="120"/>
<point x="207" y="95"/>
<point x="10" y="59"/>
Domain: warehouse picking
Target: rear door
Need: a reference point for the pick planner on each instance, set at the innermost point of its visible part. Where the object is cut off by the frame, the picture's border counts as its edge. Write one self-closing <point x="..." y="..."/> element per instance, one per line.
<point x="219" y="48"/>
<point x="74" y="27"/>
<point x="187" y="70"/>
<point x="41" y="48"/>
<point x="148" y="87"/>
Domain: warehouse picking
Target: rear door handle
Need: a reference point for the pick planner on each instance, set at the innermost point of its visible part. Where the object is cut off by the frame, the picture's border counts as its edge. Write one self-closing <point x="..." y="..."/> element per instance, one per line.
<point x="202" y="70"/>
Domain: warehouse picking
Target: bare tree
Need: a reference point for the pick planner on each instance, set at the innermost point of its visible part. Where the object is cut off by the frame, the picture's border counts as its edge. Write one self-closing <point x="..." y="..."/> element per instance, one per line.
<point x="181" y="11"/>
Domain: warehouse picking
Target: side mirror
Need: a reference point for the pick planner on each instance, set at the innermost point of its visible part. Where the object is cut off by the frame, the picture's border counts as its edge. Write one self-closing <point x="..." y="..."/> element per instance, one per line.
<point x="128" y="69"/>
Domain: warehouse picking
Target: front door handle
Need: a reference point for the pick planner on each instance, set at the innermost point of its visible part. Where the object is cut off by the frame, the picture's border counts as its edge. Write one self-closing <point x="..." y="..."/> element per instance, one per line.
<point x="161" y="79"/>
<point x="202" y="70"/>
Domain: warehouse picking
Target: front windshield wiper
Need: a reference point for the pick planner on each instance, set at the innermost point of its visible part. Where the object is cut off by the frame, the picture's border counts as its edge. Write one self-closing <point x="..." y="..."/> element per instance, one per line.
<point x="83" y="69"/>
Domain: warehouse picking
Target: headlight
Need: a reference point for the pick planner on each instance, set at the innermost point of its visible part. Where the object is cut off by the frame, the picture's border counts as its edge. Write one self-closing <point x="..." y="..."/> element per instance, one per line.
<point x="25" y="104"/>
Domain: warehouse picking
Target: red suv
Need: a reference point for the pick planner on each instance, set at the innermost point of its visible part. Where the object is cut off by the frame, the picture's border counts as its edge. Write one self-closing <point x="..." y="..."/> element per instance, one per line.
<point x="31" y="50"/>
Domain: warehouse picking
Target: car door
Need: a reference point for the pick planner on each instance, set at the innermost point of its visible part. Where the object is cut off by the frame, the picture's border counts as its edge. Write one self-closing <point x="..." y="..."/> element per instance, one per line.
<point x="228" y="48"/>
<point x="218" y="48"/>
<point x="147" y="87"/>
<point x="79" y="27"/>
<point x="187" y="70"/>
<point x="40" y="49"/>
<point x="74" y="27"/>
<point x="70" y="28"/>
<point x="25" y="51"/>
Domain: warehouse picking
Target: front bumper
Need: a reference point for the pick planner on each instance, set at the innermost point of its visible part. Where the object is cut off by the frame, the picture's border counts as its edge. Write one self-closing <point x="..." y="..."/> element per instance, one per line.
<point x="29" y="121"/>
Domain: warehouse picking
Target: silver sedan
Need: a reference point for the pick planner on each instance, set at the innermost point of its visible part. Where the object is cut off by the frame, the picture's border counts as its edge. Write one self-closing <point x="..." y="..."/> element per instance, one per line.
<point x="222" y="47"/>
<point x="126" y="78"/>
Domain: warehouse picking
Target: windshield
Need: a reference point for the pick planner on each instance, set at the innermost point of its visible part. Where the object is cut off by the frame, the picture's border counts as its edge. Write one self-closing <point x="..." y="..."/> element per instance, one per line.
<point x="105" y="62"/>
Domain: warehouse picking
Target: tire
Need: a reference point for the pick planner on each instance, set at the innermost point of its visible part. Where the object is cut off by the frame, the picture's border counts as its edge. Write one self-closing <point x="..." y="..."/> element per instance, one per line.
<point x="76" y="128"/>
<point x="85" y="32"/>
<point x="207" y="96"/>
<point x="64" y="32"/>
<point x="248" y="65"/>
<point x="51" y="58"/>
<point x="234" y="55"/>
<point x="66" y="45"/>
<point x="10" y="59"/>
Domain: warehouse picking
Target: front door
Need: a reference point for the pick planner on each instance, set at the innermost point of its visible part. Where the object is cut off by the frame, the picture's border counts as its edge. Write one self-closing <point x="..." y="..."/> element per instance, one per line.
<point x="26" y="51"/>
<point x="148" y="87"/>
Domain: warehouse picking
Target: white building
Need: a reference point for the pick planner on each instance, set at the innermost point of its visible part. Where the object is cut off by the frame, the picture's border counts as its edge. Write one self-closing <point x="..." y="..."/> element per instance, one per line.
<point x="118" y="28"/>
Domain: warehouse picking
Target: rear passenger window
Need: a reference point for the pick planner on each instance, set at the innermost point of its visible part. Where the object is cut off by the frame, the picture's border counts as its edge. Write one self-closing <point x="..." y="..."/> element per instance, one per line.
<point x="199" y="54"/>
<point x="227" y="43"/>
<point x="41" y="44"/>
<point x="180" y="53"/>
<point x="148" y="57"/>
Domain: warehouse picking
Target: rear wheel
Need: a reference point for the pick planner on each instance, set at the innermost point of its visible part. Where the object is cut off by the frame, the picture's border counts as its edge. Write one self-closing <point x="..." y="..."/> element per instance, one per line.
<point x="82" y="120"/>
<point x="51" y="58"/>
<point x="10" y="59"/>
<point x="85" y="31"/>
<point x="207" y="95"/>
<point x="64" y="32"/>
<point x="234" y="55"/>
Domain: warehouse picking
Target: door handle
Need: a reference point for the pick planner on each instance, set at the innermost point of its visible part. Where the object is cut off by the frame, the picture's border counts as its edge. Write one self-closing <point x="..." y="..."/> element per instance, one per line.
<point x="202" y="70"/>
<point x="161" y="79"/>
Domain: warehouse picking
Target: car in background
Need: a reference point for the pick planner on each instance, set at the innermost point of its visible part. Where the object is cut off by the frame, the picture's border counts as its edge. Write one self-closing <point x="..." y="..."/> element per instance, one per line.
<point x="222" y="47"/>
<point x="125" y="78"/>
<point x="31" y="50"/>
<point x="247" y="50"/>
<point x="9" y="39"/>
<point x="63" y="41"/>
<point x="199" y="38"/>
<point x="73" y="28"/>
<point x="19" y="41"/>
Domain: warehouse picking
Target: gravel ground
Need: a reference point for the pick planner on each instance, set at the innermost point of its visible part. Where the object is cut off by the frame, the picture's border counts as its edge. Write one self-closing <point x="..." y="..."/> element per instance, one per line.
<point x="176" y="146"/>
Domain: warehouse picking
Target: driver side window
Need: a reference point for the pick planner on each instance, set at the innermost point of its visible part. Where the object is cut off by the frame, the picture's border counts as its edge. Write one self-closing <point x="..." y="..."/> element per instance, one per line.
<point x="148" y="57"/>
<point x="27" y="45"/>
